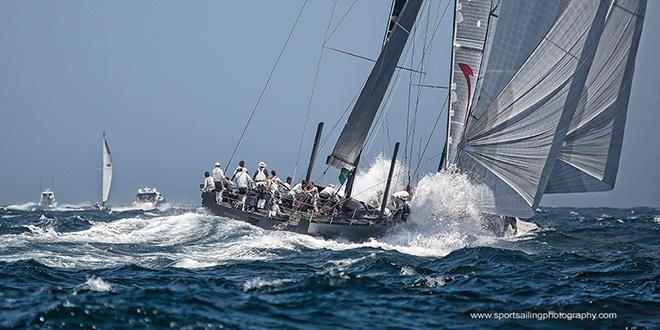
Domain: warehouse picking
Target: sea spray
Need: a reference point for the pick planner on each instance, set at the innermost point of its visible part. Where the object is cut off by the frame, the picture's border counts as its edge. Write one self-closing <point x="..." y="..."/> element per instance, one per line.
<point x="370" y="181"/>
<point x="444" y="217"/>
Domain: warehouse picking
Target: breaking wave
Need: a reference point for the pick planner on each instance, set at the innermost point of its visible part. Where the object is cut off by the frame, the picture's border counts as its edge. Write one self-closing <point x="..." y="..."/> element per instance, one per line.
<point x="31" y="206"/>
<point x="444" y="217"/>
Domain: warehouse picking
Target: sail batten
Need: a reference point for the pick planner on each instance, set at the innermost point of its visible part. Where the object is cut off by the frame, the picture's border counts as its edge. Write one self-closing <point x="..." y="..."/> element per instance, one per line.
<point x="352" y="138"/>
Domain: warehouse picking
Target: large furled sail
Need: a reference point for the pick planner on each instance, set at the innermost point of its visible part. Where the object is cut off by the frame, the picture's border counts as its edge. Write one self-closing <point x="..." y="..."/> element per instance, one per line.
<point x="471" y="21"/>
<point x="589" y="157"/>
<point x="351" y="140"/>
<point x="511" y="143"/>
<point x="107" y="171"/>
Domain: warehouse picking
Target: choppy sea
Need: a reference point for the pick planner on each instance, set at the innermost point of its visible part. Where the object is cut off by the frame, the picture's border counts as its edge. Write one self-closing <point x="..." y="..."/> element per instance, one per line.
<point x="180" y="268"/>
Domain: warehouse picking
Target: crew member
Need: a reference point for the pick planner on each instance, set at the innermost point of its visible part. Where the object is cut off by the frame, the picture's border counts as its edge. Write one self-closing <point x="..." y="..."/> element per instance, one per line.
<point x="219" y="181"/>
<point x="329" y="193"/>
<point x="209" y="185"/>
<point x="261" y="174"/>
<point x="242" y="180"/>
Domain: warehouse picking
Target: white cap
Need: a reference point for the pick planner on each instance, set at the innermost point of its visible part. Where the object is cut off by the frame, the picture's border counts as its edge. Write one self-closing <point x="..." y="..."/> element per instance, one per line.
<point x="217" y="164"/>
<point x="262" y="164"/>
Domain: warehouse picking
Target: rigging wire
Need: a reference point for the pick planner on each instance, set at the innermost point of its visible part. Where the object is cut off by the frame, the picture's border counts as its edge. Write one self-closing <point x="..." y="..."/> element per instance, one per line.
<point x="420" y="81"/>
<point x="339" y="23"/>
<point x="427" y="49"/>
<point x="388" y="99"/>
<point x="437" y="119"/>
<point x="263" y="90"/>
<point x="311" y="97"/>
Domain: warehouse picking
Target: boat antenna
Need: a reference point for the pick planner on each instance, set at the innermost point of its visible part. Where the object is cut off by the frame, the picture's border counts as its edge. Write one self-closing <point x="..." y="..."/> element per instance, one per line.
<point x="263" y="90"/>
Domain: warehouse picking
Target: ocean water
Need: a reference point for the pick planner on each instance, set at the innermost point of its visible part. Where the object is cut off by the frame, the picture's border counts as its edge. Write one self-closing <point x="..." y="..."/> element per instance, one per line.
<point x="180" y="268"/>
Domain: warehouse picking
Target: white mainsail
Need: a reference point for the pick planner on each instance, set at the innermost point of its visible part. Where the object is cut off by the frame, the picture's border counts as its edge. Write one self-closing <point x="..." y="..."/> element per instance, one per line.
<point x="589" y="157"/>
<point x="512" y="140"/>
<point x="351" y="140"/>
<point x="107" y="171"/>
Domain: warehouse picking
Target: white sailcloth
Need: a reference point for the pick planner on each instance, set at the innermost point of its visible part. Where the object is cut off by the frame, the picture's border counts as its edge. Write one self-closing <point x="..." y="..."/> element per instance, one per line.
<point x="512" y="144"/>
<point x="589" y="157"/>
<point x="471" y="22"/>
<point x="107" y="171"/>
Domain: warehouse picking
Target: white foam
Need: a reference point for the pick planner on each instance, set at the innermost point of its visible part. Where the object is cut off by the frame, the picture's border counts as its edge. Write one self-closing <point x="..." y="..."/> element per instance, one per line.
<point x="445" y="217"/>
<point x="407" y="271"/>
<point x="23" y="207"/>
<point x="431" y="282"/>
<point x="258" y="283"/>
<point x="372" y="179"/>
<point x="96" y="284"/>
<point x="31" y="206"/>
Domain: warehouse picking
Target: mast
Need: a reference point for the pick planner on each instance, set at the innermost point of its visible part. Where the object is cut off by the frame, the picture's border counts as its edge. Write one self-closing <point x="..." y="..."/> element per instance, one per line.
<point x="389" y="180"/>
<point x="312" y="157"/>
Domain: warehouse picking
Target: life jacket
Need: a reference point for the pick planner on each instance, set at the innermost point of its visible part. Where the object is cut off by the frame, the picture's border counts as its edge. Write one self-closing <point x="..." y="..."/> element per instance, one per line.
<point x="260" y="175"/>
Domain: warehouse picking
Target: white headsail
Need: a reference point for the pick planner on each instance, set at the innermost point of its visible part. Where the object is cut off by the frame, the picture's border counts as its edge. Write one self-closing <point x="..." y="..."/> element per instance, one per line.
<point x="521" y="116"/>
<point x="107" y="171"/>
<point x="589" y="157"/>
<point x="471" y="21"/>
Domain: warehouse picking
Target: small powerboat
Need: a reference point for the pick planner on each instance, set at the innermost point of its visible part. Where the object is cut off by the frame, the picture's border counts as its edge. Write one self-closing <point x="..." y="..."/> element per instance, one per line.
<point x="47" y="199"/>
<point x="148" y="199"/>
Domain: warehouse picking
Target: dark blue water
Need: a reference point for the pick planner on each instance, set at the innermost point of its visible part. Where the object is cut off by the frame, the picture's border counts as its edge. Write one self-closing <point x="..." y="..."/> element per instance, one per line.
<point x="180" y="269"/>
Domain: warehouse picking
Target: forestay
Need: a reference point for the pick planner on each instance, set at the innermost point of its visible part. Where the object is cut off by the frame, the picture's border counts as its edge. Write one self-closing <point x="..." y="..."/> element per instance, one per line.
<point x="352" y="138"/>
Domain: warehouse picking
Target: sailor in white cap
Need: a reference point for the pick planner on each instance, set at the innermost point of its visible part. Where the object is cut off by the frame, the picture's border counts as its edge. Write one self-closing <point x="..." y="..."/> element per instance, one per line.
<point x="261" y="174"/>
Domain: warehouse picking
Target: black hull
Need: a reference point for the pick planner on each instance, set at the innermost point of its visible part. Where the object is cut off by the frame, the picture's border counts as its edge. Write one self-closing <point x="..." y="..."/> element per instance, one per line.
<point x="255" y="219"/>
<point x="345" y="229"/>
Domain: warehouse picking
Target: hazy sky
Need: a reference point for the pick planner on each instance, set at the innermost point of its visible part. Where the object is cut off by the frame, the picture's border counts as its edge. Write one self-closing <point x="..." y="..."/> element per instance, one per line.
<point x="173" y="83"/>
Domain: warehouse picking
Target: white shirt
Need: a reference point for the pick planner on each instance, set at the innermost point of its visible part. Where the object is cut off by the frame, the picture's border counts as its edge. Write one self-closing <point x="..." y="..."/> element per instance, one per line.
<point x="330" y="191"/>
<point x="218" y="174"/>
<point x="242" y="179"/>
<point x="297" y="188"/>
<point x="209" y="185"/>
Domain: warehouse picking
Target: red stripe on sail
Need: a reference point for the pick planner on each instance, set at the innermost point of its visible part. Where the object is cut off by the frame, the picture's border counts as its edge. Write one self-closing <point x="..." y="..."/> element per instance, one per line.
<point x="467" y="73"/>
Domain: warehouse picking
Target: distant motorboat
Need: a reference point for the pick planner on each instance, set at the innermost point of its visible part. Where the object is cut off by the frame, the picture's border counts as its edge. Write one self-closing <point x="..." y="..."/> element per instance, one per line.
<point x="148" y="199"/>
<point x="47" y="199"/>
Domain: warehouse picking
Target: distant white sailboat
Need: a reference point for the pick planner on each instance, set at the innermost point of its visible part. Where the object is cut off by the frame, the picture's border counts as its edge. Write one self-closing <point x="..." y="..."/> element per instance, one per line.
<point x="107" y="176"/>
